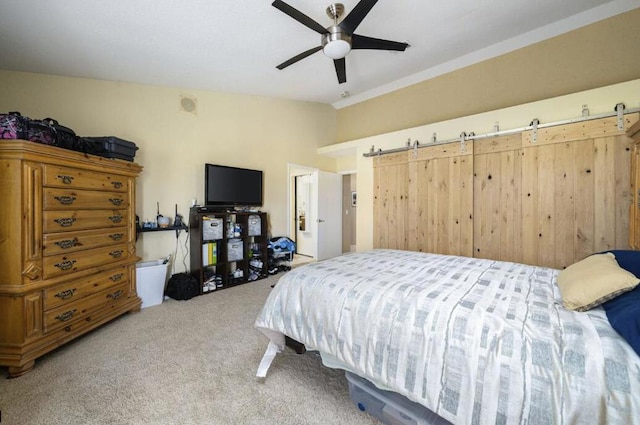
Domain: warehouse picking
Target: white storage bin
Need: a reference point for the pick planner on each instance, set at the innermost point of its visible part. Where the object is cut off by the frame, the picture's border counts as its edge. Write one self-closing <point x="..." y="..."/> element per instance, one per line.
<point x="151" y="277"/>
<point x="235" y="249"/>
<point x="389" y="407"/>
<point x="255" y="225"/>
<point x="212" y="228"/>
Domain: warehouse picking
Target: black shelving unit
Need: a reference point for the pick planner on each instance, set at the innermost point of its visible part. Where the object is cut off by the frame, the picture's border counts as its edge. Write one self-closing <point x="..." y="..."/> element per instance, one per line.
<point x="227" y="248"/>
<point x="161" y="229"/>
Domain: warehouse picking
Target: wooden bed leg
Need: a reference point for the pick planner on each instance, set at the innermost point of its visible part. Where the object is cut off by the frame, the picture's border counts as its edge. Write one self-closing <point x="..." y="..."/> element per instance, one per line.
<point x="297" y="346"/>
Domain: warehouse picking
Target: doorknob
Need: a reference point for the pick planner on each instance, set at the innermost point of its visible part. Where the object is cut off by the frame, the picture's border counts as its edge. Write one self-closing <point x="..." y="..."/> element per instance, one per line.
<point x="320" y="220"/>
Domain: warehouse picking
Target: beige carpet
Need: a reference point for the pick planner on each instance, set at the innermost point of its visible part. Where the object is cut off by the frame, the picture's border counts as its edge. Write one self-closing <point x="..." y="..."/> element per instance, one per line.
<point x="182" y="362"/>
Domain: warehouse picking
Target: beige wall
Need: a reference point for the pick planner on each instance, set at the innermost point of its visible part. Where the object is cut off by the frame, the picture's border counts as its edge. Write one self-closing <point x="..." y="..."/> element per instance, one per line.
<point x="597" y="55"/>
<point x="230" y="129"/>
<point x="601" y="100"/>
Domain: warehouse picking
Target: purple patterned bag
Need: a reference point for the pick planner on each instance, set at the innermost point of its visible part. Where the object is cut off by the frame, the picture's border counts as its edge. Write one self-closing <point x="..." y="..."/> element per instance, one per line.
<point x="13" y="126"/>
<point x="47" y="131"/>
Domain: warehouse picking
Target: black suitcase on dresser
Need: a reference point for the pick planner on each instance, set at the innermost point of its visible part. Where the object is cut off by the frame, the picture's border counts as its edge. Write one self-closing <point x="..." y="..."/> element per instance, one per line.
<point x="110" y="147"/>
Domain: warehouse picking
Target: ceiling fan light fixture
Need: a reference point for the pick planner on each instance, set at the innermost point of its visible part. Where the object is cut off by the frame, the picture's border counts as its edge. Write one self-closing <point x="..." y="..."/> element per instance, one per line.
<point x="337" y="49"/>
<point x="336" y="43"/>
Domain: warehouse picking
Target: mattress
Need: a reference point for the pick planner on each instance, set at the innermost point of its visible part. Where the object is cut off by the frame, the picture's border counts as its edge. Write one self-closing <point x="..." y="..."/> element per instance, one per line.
<point x="476" y="341"/>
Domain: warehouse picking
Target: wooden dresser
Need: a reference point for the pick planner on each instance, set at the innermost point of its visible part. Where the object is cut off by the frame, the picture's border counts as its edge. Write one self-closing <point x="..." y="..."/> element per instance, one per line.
<point x="634" y="219"/>
<point x="67" y="247"/>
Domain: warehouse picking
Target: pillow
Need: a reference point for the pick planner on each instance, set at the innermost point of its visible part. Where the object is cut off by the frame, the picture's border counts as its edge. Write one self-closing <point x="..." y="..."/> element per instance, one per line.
<point x="623" y="313"/>
<point x="628" y="260"/>
<point x="592" y="281"/>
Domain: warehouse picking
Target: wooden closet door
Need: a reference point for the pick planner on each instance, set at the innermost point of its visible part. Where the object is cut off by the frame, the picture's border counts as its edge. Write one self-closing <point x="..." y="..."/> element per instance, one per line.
<point x="440" y="214"/>
<point x="497" y="186"/>
<point x="391" y="182"/>
<point x="575" y="191"/>
<point x="634" y="209"/>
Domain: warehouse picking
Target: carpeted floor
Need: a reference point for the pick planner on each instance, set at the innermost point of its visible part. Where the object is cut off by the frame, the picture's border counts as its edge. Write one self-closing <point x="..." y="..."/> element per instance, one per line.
<point x="182" y="362"/>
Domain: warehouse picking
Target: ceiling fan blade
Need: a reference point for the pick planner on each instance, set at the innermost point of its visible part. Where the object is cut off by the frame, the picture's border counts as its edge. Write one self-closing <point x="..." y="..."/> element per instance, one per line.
<point x="355" y="17"/>
<point x="299" y="16"/>
<point x="296" y="58"/>
<point x="363" y="42"/>
<point x="341" y="71"/>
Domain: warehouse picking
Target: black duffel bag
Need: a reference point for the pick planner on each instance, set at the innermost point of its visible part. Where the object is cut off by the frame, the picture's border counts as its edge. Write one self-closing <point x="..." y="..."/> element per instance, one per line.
<point x="65" y="137"/>
<point x="182" y="286"/>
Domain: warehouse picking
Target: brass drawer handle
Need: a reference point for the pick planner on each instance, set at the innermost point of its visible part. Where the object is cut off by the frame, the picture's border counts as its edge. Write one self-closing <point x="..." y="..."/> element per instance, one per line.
<point x="116" y="201"/>
<point x="65" y="222"/>
<point x="66" y="294"/>
<point x="65" y="200"/>
<point x="65" y="265"/>
<point x="115" y="218"/>
<point x="117" y="185"/>
<point x="68" y="243"/>
<point x="116" y="294"/>
<point x="116" y="236"/>
<point x="116" y="277"/>
<point x="116" y="253"/>
<point x="65" y="179"/>
<point x="67" y="315"/>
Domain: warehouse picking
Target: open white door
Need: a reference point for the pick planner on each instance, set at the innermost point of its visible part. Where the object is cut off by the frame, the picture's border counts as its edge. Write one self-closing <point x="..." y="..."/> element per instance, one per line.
<point x="328" y="223"/>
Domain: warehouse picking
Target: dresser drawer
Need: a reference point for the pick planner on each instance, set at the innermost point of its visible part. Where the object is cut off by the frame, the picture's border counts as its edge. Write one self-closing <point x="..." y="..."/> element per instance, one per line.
<point x="65" y="199"/>
<point x="77" y="310"/>
<point x="66" y="264"/>
<point x="72" y="291"/>
<point x="55" y="176"/>
<point x="58" y="243"/>
<point x="66" y="221"/>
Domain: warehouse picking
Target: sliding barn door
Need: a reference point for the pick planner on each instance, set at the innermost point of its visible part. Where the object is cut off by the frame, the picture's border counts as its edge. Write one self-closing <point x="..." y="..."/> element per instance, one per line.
<point x="497" y="207"/>
<point x="391" y="182"/>
<point x="440" y="214"/>
<point x="549" y="198"/>
<point x="575" y="191"/>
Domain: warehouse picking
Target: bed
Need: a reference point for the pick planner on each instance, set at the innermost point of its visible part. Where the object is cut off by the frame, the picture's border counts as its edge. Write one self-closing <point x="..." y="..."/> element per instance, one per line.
<point x="476" y="341"/>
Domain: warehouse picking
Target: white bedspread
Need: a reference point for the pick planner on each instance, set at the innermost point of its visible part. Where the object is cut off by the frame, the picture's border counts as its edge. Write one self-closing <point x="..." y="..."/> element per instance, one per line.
<point x="476" y="341"/>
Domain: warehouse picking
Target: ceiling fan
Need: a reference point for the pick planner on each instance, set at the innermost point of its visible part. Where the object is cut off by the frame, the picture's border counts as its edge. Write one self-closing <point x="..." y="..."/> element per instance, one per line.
<point x="338" y="39"/>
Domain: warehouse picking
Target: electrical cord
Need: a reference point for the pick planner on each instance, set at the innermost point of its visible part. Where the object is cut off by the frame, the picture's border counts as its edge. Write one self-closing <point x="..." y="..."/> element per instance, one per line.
<point x="186" y="253"/>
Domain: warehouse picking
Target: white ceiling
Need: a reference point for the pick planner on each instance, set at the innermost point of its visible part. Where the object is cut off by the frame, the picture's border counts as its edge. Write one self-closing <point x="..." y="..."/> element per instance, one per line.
<point x="234" y="46"/>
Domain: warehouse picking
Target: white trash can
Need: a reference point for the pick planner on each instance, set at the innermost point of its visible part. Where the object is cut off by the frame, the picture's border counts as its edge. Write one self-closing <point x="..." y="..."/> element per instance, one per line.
<point x="151" y="277"/>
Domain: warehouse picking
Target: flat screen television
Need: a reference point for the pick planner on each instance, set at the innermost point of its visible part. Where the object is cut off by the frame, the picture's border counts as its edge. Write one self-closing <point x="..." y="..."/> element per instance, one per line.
<point x="232" y="187"/>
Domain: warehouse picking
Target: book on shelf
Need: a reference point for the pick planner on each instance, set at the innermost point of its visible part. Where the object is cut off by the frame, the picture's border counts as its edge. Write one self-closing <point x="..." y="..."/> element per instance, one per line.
<point x="209" y="253"/>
